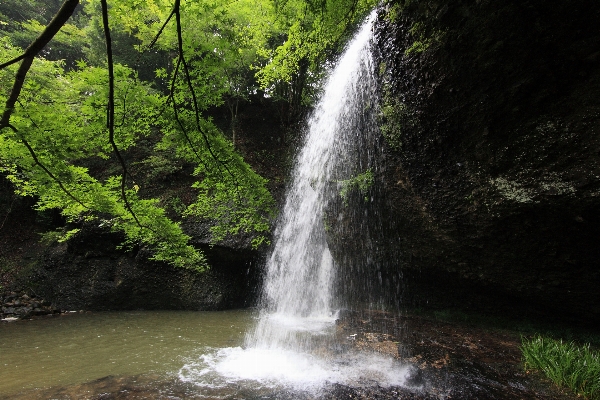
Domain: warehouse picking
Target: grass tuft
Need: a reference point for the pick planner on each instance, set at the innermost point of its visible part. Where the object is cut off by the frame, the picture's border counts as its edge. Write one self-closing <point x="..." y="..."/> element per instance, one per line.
<point x="565" y="363"/>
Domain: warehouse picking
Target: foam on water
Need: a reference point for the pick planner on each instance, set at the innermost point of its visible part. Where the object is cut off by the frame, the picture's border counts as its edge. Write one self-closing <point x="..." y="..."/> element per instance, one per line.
<point x="257" y="369"/>
<point x="316" y="324"/>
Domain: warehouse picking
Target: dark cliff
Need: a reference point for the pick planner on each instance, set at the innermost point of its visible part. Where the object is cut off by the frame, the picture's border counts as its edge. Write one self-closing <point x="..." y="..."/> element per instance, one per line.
<point x="490" y="173"/>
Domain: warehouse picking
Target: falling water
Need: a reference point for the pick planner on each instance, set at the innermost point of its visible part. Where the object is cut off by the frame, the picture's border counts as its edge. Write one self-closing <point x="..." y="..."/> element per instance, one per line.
<point x="292" y="341"/>
<point x="300" y="273"/>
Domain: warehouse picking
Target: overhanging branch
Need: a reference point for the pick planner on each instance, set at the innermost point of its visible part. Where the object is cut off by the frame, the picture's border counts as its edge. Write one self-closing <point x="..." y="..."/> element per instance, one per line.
<point x="59" y="20"/>
<point x="110" y="121"/>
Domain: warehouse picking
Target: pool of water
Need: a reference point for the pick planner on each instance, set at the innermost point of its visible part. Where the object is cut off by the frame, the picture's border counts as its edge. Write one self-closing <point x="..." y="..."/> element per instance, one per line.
<point x="174" y="354"/>
<point x="72" y="349"/>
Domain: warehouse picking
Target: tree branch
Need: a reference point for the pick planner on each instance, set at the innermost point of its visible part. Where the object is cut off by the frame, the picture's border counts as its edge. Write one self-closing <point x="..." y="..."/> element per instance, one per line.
<point x="43" y="167"/>
<point x="188" y="79"/>
<point x="162" y="28"/>
<point x="110" y="120"/>
<point x="60" y="18"/>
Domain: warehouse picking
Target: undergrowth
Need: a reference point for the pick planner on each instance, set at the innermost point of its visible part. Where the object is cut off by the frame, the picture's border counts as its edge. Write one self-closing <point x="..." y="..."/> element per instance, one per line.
<point x="565" y="363"/>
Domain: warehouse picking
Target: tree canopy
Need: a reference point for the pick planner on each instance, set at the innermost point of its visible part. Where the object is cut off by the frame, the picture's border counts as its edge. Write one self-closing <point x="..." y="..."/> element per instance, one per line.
<point x="90" y="81"/>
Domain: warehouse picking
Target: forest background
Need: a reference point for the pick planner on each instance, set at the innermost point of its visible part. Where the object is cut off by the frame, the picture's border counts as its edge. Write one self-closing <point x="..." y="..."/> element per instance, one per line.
<point x="83" y="82"/>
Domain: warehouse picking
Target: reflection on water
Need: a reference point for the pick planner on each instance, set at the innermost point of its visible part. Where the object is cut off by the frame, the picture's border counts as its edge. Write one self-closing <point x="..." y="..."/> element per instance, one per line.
<point x="78" y="348"/>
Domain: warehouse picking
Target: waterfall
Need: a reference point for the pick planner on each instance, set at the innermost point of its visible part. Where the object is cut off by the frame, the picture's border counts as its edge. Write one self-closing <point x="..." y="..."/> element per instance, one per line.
<point x="298" y="300"/>
<point x="293" y="343"/>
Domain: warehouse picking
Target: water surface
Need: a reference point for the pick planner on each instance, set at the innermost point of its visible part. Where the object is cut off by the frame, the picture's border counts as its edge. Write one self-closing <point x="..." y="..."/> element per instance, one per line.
<point x="72" y="349"/>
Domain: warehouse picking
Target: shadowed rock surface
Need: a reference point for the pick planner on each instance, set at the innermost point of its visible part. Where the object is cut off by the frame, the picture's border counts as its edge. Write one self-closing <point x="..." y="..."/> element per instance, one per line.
<point x="87" y="273"/>
<point x="490" y="169"/>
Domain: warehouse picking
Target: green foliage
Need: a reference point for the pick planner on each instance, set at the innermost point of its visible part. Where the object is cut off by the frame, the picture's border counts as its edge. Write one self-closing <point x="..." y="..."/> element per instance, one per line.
<point x="71" y="43"/>
<point x="220" y="38"/>
<point x="309" y="33"/>
<point x="62" y="118"/>
<point x="423" y="40"/>
<point x="160" y="164"/>
<point x="565" y="363"/>
<point x="233" y="195"/>
<point x="382" y="69"/>
<point x="177" y="205"/>
<point x="231" y="50"/>
<point x="393" y="12"/>
<point x="361" y="182"/>
<point x="15" y="11"/>
<point x="393" y="116"/>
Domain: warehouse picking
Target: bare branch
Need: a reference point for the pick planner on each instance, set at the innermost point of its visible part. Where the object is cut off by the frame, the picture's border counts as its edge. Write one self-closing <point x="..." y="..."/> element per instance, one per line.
<point x="15" y="92"/>
<point x="13" y="61"/>
<point x="188" y="79"/>
<point x="162" y="28"/>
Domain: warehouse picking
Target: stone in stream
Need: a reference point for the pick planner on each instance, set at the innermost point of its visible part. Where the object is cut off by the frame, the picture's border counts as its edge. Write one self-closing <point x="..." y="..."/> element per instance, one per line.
<point x="24" y="312"/>
<point x="8" y="310"/>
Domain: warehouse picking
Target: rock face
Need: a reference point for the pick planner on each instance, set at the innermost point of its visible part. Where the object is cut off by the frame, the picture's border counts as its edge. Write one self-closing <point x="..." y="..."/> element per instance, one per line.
<point x="87" y="273"/>
<point x="490" y="171"/>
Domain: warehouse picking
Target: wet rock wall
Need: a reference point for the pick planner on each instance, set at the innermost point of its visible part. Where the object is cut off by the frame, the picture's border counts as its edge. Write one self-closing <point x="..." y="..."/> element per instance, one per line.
<point x="489" y="174"/>
<point x="89" y="273"/>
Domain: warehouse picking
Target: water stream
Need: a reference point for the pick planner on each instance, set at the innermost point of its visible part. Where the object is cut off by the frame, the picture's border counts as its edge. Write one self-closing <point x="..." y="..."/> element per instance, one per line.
<point x="298" y="289"/>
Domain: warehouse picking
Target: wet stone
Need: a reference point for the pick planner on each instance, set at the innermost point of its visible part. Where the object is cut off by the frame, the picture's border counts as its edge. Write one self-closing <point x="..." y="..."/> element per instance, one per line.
<point x="8" y="310"/>
<point x="23" y="311"/>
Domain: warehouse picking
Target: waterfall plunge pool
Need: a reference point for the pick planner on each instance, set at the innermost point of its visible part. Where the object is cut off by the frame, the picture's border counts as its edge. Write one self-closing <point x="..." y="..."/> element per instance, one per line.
<point x="173" y="353"/>
<point x="200" y="355"/>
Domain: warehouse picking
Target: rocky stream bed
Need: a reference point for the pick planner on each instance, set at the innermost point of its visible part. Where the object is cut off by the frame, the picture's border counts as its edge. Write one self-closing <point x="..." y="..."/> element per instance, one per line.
<point x="22" y="306"/>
